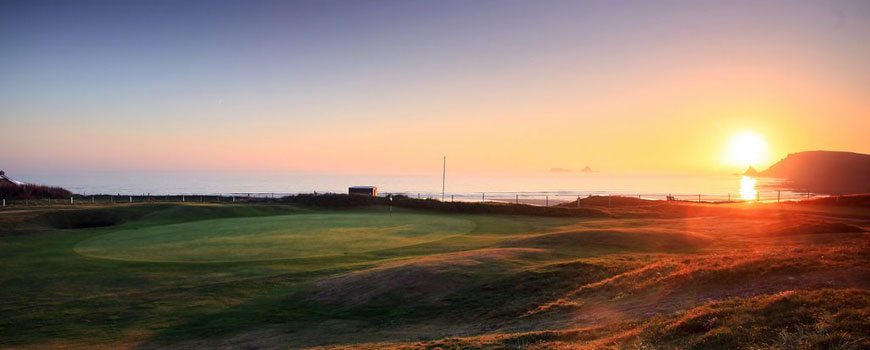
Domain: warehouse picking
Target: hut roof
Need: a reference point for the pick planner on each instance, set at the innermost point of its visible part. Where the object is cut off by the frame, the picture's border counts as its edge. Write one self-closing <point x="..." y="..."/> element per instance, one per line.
<point x="4" y="178"/>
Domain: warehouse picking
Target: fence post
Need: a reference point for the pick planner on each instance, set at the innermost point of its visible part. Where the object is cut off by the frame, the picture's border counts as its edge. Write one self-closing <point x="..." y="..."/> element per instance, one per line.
<point x="131" y="199"/>
<point x="699" y="198"/>
<point x="546" y="201"/>
<point x="778" y="195"/>
<point x="758" y="196"/>
<point x="518" y="199"/>
<point x="92" y="199"/>
<point x="578" y="201"/>
<point x="4" y="202"/>
<point x="729" y="196"/>
<point x="451" y="198"/>
<point x="182" y="198"/>
<point x="71" y="200"/>
<point x="483" y="196"/>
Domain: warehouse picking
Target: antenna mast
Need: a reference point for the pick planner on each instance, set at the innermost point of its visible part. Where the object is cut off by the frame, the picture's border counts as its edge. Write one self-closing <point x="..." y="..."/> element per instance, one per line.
<point x="443" y="176"/>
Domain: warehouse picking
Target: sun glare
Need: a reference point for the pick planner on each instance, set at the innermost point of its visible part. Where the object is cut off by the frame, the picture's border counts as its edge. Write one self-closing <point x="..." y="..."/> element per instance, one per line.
<point x="747" y="188"/>
<point x="746" y="149"/>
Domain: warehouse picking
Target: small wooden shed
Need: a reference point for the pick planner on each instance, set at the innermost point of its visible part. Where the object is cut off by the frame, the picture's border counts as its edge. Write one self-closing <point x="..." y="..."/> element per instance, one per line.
<point x="363" y="190"/>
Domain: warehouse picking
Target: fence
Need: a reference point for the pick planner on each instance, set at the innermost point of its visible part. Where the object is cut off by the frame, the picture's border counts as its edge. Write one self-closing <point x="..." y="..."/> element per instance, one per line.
<point x="79" y="199"/>
<point x="556" y="198"/>
<point x="527" y="198"/>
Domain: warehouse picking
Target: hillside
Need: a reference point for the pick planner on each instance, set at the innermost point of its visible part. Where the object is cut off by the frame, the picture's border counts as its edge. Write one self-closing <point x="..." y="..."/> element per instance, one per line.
<point x="758" y="276"/>
<point x="825" y="172"/>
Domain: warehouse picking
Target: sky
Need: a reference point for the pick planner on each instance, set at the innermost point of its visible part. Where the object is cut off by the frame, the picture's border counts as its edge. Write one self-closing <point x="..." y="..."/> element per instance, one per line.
<point x="392" y="86"/>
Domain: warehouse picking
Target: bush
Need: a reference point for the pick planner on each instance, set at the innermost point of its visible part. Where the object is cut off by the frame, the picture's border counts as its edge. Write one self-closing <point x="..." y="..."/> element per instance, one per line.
<point x="351" y="201"/>
<point x="28" y="191"/>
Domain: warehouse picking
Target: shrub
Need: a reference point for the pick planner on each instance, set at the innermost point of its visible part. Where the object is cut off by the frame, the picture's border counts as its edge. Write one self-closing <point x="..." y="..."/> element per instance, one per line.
<point x="332" y="200"/>
<point x="28" y="191"/>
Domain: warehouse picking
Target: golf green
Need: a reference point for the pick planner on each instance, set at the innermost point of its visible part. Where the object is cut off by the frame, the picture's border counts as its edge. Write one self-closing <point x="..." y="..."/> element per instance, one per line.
<point x="274" y="237"/>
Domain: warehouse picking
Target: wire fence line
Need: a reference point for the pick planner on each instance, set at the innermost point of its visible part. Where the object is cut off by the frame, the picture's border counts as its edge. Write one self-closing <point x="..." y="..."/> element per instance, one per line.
<point x="560" y="197"/>
<point x="544" y="198"/>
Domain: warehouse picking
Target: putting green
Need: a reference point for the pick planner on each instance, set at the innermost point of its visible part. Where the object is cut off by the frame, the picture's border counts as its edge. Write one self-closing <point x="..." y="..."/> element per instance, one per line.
<point x="274" y="237"/>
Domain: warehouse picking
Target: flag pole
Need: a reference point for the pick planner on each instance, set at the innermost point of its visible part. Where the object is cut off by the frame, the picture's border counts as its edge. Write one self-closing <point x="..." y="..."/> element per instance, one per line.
<point x="443" y="176"/>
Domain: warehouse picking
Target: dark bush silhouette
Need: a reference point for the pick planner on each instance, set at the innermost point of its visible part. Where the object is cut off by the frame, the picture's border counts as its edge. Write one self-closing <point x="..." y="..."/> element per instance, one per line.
<point x="28" y="191"/>
<point x="333" y="201"/>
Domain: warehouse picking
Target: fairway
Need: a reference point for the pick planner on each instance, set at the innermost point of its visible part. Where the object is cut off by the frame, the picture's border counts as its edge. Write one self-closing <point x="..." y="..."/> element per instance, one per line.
<point x="275" y="237"/>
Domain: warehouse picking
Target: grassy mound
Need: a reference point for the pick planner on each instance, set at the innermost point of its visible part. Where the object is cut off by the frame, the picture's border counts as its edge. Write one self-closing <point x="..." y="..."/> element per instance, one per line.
<point x="343" y="201"/>
<point x="825" y="319"/>
<point x="633" y="239"/>
<point x="77" y="219"/>
<point x="422" y="279"/>
<point x="608" y="201"/>
<point x="816" y="227"/>
<point x="799" y="320"/>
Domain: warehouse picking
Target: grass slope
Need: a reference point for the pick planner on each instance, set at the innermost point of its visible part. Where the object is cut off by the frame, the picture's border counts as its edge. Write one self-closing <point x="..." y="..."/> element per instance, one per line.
<point x="227" y="276"/>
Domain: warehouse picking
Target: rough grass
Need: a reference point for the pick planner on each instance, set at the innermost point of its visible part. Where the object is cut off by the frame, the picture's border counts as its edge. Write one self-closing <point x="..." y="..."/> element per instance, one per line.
<point x="773" y="277"/>
<point x="814" y="227"/>
<point x="630" y="238"/>
<point x="824" y="319"/>
<point x="801" y="320"/>
<point x="422" y="279"/>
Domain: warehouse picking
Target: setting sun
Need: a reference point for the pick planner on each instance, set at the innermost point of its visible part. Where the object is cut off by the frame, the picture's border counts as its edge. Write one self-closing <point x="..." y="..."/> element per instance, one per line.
<point x="746" y="149"/>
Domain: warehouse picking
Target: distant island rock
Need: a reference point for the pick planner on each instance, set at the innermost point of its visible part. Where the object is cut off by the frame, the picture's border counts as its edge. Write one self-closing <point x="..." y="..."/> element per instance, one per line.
<point x="751" y="172"/>
<point x="587" y="169"/>
<point x="826" y="172"/>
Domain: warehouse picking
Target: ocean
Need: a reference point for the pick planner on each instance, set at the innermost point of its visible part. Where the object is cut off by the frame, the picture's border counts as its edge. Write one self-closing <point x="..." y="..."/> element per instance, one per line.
<point x="555" y="186"/>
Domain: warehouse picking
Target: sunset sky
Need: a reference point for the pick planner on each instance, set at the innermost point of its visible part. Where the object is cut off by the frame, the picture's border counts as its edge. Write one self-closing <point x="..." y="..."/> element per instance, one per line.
<point x="391" y="86"/>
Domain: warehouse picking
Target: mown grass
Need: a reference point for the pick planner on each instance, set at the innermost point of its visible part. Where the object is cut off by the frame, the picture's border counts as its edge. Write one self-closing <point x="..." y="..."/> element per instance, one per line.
<point x="276" y="237"/>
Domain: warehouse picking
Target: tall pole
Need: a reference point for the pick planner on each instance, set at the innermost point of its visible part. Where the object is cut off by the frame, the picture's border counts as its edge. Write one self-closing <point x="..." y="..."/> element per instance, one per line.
<point x="443" y="176"/>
